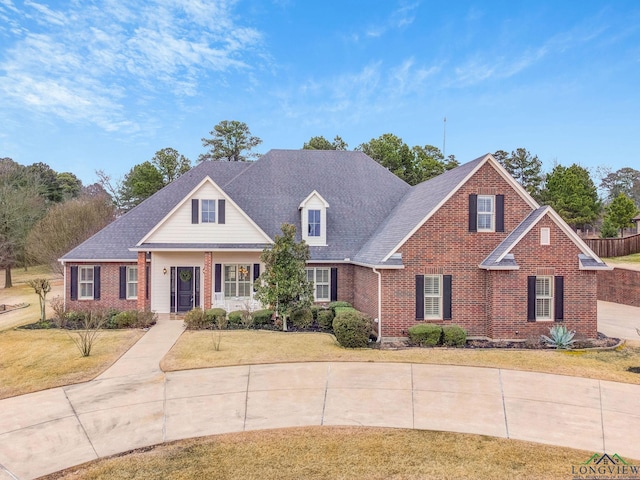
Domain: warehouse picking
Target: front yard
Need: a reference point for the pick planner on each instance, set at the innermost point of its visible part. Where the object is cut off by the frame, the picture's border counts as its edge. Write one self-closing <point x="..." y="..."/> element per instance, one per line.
<point x="195" y="349"/>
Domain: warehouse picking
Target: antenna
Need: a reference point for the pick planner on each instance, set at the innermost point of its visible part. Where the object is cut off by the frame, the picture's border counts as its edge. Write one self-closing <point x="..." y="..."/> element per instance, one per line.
<point x="444" y="139"/>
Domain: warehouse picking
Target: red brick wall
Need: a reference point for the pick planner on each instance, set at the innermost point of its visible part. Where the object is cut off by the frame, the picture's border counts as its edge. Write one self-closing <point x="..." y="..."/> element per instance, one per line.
<point x="443" y="245"/>
<point x="109" y="289"/>
<point x="619" y="286"/>
<point x="365" y="293"/>
<point x="508" y="293"/>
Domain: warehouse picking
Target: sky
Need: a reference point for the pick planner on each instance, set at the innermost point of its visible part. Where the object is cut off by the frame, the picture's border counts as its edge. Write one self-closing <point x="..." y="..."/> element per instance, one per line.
<point x="104" y="84"/>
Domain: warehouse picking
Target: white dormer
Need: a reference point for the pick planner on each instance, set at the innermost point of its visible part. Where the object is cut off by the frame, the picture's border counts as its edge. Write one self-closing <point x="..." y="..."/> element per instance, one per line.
<point x="313" y="211"/>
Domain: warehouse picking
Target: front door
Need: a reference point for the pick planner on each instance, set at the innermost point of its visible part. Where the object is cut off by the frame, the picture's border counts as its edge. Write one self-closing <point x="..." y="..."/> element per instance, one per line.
<point x="185" y="288"/>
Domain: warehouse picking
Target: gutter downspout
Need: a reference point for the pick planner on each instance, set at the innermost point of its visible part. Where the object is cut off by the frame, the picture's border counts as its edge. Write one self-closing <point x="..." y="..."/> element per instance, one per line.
<point x="64" y="285"/>
<point x="379" y="321"/>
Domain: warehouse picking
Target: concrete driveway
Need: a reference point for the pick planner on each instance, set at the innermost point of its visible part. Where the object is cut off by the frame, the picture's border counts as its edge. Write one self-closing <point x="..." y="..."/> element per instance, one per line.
<point x="617" y="320"/>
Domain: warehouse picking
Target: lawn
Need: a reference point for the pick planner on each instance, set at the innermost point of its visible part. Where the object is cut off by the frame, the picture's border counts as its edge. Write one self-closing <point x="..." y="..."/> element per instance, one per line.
<point x="195" y="349"/>
<point x="338" y="453"/>
<point x="633" y="258"/>
<point x="33" y="360"/>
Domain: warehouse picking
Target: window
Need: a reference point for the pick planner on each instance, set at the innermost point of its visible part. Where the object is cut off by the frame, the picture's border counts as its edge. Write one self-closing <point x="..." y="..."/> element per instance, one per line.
<point x="544" y="298"/>
<point x="486" y="213"/>
<point x="208" y="211"/>
<point x="433" y="296"/>
<point x="86" y="283"/>
<point x="314" y="223"/>
<point x="545" y="236"/>
<point x="132" y="283"/>
<point x="320" y="278"/>
<point x="237" y="280"/>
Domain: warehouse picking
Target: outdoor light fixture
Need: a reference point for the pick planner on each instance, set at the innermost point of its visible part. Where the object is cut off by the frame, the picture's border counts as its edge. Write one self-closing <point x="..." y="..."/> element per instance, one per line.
<point x="164" y="271"/>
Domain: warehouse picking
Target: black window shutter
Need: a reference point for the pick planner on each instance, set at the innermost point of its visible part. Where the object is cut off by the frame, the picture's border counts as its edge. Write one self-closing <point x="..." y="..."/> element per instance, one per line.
<point x="531" y="299"/>
<point x="217" y="280"/>
<point x="558" y="299"/>
<point x="499" y="213"/>
<point x="473" y="212"/>
<point x="194" y="210"/>
<point x="123" y="283"/>
<point x="256" y="274"/>
<point x="221" y="210"/>
<point x="446" y="297"/>
<point x="74" y="283"/>
<point x="96" y="282"/>
<point x="420" y="297"/>
<point x="147" y="282"/>
<point x="173" y="289"/>
<point x="334" y="284"/>
<point x="197" y="287"/>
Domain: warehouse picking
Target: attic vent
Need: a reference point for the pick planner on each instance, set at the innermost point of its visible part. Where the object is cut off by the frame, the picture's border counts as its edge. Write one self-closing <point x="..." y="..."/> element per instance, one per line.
<point x="396" y="256"/>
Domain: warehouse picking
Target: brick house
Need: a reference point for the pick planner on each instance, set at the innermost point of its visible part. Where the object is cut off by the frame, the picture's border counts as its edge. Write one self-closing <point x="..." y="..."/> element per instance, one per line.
<point x="469" y="247"/>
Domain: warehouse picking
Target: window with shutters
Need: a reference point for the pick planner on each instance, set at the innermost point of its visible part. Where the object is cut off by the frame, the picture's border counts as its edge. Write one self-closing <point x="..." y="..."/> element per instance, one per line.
<point x="544" y="298"/>
<point x="237" y="280"/>
<point x="433" y="297"/>
<point x="85" y="283"/>
<point x="132" y="283"/>
<point x="486" y="213"/>
<point x="321" y="280"/>
<point x="208" y="208"/>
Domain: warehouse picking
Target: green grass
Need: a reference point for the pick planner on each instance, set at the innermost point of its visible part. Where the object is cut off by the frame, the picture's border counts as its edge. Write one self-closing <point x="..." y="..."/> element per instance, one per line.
<point x="633" y="258"/>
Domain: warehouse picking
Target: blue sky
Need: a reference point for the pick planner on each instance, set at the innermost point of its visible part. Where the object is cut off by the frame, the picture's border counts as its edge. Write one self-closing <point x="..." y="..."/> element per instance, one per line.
<point x="88" y="85"/>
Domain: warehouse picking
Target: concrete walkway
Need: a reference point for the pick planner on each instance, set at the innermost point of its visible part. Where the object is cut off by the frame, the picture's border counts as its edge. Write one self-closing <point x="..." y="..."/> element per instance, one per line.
<point x="619" y="321"/>
<point x="133" y="404"/>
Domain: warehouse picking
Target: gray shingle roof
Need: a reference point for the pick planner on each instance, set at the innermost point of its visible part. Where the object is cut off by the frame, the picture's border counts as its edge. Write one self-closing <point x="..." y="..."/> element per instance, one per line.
<point x="419" y="202"/>
<point x="360" y="193"/>
<point x="497" y="259"/>
<point x="590" y="263"/>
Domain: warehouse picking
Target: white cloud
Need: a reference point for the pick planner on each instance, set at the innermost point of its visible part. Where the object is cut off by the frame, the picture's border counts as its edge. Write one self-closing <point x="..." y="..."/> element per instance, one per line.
<point x="86" y="60"/>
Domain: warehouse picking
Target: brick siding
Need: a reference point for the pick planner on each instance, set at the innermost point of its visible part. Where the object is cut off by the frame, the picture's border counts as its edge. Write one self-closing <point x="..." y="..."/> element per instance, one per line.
<point x="619" y="286"/>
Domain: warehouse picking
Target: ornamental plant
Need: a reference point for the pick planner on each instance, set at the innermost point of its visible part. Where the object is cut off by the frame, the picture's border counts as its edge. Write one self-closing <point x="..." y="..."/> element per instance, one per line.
<point x="560" y="337"/>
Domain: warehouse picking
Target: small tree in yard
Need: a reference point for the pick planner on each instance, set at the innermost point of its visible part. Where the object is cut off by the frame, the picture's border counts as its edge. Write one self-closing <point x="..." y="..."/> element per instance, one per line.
<point x="89" y="330"/>
<point x="41" y="287"/>
<point x="283" y="284"/>
<point x="620" y="212"/>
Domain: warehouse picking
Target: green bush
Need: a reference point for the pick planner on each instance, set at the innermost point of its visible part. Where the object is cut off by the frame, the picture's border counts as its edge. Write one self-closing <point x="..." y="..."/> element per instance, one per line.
<point x="454" y="336"/>
<point x="352" y="329"/>
<point x="126" y="319"/>
<point x="302" y="318"/>
<point x="425" y="335"/>
<point x="215" y="315"/>
<point x="338" y="305"/>
<point x="325" y="319"/>
<point x="235" y="318"/>
<point x="338" y="310"/>
<point x="262" y="317"/>
<point x="195" y="319"/>
<point x="314" y="311"/>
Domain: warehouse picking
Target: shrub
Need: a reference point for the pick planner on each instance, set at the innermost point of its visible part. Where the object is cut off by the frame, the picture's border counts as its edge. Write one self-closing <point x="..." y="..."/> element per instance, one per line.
<point x="195" y="319"/>
<point x="352" y="329"/>
<point x="560" y="338"/>
<point x="314" y="311"/>
<point x="338" y="310"/>
<point x="127" y="319"/>
<point x="235" y="317"/>
<point x="325" y="319"/>
<point x="262" y="317"/>
<point x="454" y="336"/>
<point x="59" y="312"/>
<point x="425" y="335"/>
<point x="302" y="318"/>
<point x="215" y="315"/>
<point x="339" y="304"/>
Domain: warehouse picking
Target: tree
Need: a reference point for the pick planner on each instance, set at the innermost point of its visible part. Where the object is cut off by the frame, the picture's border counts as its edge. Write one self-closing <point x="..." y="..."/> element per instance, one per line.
<point x="283" y="284"/>
<point x="524" y="167"/>
<point x="70" y="185"/>
<point x="48" y="178"/>
<point x="392" y="153"/>
<point x="625" y="180"/>
<point x="65" y="226"/>
<point x="321" y="143"/>
<point x="170" y="164"/>
<point x="430" y="162"/>
<point x="21" y="206"/>
<point x="113" y="189"/>
<point x="608" y="229"/>
<point x="572" y="193"/>
<point x="140" y="183"/>
<point x="230" y="139"/>
<point x="41" y="286"/>
<point x="620" y="212"/>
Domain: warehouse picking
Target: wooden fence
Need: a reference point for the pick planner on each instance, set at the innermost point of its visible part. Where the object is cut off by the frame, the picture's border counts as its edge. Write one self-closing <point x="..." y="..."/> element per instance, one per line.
<point x="614" y="247"/>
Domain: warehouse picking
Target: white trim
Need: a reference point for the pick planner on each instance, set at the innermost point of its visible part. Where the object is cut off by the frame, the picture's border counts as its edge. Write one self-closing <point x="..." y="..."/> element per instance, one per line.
<point x="188" y="198"/>
<point x="500" y="169"/>
<point x="199" y="249"/>
<point x="315" y="192"/>
<point x="100" y="260"/>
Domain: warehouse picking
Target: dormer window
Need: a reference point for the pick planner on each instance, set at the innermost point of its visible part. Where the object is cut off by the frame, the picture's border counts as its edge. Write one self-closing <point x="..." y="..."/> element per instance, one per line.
<point x="313" y="219"/>
<point x="314" y="223"/>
